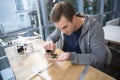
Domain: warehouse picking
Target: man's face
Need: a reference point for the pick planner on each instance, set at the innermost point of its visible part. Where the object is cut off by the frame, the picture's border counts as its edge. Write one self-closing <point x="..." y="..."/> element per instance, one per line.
<point x="65" y="26"/>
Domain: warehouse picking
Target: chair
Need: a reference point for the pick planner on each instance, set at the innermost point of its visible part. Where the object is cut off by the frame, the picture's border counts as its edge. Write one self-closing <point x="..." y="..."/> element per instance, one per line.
<point x="114" y="22"/>
<point x="108" y="57"/>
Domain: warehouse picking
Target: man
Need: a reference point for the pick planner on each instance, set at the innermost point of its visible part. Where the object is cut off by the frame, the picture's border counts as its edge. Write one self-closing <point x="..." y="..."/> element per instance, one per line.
<point x="80" y="37"/>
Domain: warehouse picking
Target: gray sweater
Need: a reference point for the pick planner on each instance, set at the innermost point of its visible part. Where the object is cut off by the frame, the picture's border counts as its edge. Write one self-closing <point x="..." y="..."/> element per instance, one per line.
<point x="91" y="42"/>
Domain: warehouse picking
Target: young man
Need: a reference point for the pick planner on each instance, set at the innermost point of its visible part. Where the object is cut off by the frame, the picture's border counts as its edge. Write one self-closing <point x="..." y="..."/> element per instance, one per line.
<point x="80" y="37"/>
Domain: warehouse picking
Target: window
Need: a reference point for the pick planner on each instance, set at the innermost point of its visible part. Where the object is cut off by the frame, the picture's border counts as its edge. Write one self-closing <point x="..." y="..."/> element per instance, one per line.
<point x="19" y="5"/>
<point x="108" y="10"/>
<point x="109" y="5"/>
<point x="74" y="4"/>
<point x="22" y="18"/>
<point x="91" y="6"/>
<point x="49" y="7"/>
<point x="32" y="4"/>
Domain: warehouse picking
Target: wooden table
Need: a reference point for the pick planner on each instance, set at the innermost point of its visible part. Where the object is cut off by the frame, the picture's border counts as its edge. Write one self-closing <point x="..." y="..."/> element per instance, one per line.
<point x="25" y="67"/>
<point x="112" y="33"/>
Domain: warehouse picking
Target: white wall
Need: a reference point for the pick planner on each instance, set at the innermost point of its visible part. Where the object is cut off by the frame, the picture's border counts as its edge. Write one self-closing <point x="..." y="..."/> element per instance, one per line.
<point x="9" y="16"/>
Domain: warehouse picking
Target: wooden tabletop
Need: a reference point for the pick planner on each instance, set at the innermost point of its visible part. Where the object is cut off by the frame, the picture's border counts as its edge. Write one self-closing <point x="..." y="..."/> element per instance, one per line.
<point x="26" y="67"/>
<point x="112" y="33"/>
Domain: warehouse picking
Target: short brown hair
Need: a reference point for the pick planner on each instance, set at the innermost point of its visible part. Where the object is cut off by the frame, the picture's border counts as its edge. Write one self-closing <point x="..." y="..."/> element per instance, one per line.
<point x="62" y="9"/>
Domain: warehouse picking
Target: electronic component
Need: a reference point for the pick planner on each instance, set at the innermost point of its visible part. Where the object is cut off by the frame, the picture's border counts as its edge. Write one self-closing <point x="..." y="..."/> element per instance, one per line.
<point x="51" y="53"/>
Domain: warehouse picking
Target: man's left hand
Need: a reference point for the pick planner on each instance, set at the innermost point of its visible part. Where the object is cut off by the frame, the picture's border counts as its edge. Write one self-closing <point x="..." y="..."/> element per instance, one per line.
<point x="60" y="57"/>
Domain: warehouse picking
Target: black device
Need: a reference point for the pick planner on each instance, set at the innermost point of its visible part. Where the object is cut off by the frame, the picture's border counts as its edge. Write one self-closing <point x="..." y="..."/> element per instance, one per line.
<point x="20" y="49"/>
<point x="51" y="53"/>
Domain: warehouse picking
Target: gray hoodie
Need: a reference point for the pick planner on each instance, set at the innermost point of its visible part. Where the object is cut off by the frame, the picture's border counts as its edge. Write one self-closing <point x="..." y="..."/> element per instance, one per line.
<point x="91" y="42"/>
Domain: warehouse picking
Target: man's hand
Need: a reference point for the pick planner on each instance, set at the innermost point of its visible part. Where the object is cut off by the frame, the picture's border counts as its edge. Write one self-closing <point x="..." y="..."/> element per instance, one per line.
<point x="60" y="57"/>
<point x="49" y="45"/>
<point x="63" y="57"/>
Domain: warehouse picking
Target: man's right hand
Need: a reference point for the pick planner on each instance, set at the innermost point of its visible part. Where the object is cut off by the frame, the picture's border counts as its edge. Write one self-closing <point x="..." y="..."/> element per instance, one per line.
<point x="49" y="45"/>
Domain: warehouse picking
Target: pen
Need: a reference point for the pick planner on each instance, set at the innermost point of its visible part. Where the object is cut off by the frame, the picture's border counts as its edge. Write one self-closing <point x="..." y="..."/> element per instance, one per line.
<point x="40" y="72"/>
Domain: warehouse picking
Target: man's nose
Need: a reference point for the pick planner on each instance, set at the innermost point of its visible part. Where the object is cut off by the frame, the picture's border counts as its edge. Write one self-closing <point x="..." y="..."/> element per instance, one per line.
<point x="64" y="32"/>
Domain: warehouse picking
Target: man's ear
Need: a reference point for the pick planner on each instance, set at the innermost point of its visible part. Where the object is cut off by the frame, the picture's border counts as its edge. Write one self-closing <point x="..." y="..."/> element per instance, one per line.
<point x="74" y="18"/>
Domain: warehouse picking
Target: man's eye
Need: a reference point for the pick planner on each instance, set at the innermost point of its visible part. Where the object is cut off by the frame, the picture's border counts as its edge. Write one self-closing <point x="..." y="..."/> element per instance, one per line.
<point x="65" y="27"/>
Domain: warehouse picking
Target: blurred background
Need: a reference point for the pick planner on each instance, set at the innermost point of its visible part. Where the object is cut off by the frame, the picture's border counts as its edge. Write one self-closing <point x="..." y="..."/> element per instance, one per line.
<point x="24" y="17"/>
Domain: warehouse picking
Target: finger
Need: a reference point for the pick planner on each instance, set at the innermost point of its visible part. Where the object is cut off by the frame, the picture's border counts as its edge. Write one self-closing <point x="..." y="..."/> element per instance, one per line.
<point x="52" y="45"/>
<point x="52" y="59"/>
<point x="47" y="46"/>
<point x="59" y="57"/>
<point x="47" y="56"/>
<point x="63" y="57"/>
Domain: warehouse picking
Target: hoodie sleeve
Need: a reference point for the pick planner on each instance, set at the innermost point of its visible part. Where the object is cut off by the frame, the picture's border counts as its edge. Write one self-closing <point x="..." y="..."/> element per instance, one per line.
<point x="54" y="36"/>
<point x="97" y="53"/>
